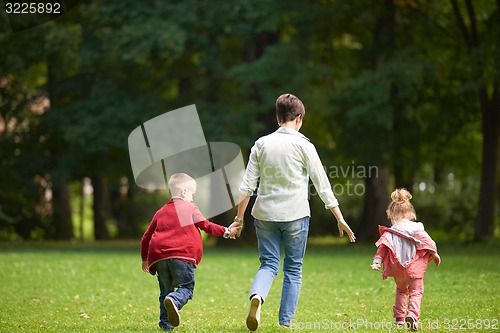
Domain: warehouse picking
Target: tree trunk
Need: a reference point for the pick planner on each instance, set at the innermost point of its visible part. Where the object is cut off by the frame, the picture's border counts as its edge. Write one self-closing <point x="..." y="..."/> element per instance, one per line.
<point x="374" y="207"/>
<point x="62" y="226"/>
<point x="376" y="195"/>
<point x="61" y="212"/>
<point x="99" y="206"/>
<point x="485" y="219"/>
<point x="253" y="52"/>
<point x="122" y="209"/>
<point x="404" y="172"/>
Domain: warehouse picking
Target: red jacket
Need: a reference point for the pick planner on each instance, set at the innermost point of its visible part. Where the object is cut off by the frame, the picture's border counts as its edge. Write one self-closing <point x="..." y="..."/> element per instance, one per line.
<point x="417" y="266"/>
<point x="174" y="233"/>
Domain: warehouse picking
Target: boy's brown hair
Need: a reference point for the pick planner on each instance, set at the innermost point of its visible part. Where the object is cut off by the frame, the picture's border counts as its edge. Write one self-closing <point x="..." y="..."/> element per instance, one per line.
<point x="288" y="107"/>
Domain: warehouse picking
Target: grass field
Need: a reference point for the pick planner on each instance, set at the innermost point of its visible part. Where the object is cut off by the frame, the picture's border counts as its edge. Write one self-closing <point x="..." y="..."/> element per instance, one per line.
<point x="101" y="288"/>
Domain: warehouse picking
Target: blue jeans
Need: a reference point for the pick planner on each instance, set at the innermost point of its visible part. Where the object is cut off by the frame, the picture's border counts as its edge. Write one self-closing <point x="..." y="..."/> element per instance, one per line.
<point x="176" y="280"/>
<point x="271" y="236"/>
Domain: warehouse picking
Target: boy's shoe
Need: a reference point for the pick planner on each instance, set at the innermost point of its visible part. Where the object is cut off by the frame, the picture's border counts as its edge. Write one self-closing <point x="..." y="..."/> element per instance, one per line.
<point x="173" y="313"/>
<point x="411" y="323"/>
<point x="164" y="328"/>
<point x="253" y="317"/>
<point x="400" y="321"/>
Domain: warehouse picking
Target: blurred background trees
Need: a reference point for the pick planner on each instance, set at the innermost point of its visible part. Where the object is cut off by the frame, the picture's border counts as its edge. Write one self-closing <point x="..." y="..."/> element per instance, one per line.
<point x="398" y="93"/>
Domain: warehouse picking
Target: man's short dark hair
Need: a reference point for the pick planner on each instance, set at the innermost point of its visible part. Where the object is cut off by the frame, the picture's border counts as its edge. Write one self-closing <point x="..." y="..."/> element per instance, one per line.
<point x="288" y="107"/>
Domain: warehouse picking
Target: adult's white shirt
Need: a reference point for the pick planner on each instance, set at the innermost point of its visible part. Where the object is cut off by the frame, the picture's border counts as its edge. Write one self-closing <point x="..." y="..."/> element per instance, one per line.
<point x="280" y="164"/>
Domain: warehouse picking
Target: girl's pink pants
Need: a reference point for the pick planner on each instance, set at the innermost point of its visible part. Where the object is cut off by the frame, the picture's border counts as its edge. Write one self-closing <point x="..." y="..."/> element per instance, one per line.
<point x="412" y="289"/>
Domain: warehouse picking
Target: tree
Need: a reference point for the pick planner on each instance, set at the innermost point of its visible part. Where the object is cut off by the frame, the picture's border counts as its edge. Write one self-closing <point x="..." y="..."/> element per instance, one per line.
<point x="23" y="185"/>
<point x="480" y="38"/>
<point x="386" y="84"/>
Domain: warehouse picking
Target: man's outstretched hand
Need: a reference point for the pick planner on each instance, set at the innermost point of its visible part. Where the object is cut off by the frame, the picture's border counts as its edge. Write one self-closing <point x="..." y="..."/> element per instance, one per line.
<point x="343" y="226"/>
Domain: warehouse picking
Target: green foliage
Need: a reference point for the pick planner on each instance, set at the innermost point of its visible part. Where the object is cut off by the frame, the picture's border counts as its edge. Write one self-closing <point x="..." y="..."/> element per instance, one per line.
<point x="448" y="209"/>
<point x="406" y="100"/>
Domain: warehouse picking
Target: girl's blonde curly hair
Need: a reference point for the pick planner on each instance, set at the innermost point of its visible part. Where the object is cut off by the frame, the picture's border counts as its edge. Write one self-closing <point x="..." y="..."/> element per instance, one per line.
<point x="400" y="208"/>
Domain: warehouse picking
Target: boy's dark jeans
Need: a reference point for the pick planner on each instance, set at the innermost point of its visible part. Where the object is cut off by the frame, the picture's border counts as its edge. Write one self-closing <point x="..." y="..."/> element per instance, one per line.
<point x="176" y="280"/>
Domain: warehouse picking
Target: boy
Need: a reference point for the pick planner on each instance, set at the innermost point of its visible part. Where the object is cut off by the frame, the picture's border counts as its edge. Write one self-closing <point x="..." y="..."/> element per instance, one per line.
<point x="172" y="247"/>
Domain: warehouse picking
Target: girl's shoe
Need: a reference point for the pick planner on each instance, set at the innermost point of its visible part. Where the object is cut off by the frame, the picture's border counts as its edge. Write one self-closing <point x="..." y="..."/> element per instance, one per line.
<point x="253" y="317"/>
<point x="400" y="321"/>
<point x="411" y="323"/>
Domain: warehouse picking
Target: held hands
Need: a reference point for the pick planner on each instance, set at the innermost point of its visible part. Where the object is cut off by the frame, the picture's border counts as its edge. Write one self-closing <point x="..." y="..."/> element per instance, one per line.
<point x="235" y="231"/>
<point x="235" y="227"/>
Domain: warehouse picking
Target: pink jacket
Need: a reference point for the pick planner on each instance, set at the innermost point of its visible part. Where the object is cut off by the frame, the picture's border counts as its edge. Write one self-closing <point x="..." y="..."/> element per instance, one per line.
<point x="403" y="249"/>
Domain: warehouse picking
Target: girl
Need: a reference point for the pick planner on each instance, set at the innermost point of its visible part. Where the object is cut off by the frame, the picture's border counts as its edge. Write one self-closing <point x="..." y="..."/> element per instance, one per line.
<point x="405" y="249"/>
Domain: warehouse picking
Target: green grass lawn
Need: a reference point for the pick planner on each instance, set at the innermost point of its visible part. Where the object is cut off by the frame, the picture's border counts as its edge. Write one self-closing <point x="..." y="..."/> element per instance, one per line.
<point x="76" y="288"/>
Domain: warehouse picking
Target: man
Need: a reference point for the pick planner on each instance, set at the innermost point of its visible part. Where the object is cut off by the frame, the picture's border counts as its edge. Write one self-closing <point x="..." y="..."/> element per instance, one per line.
<point x="281" y="164"/>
